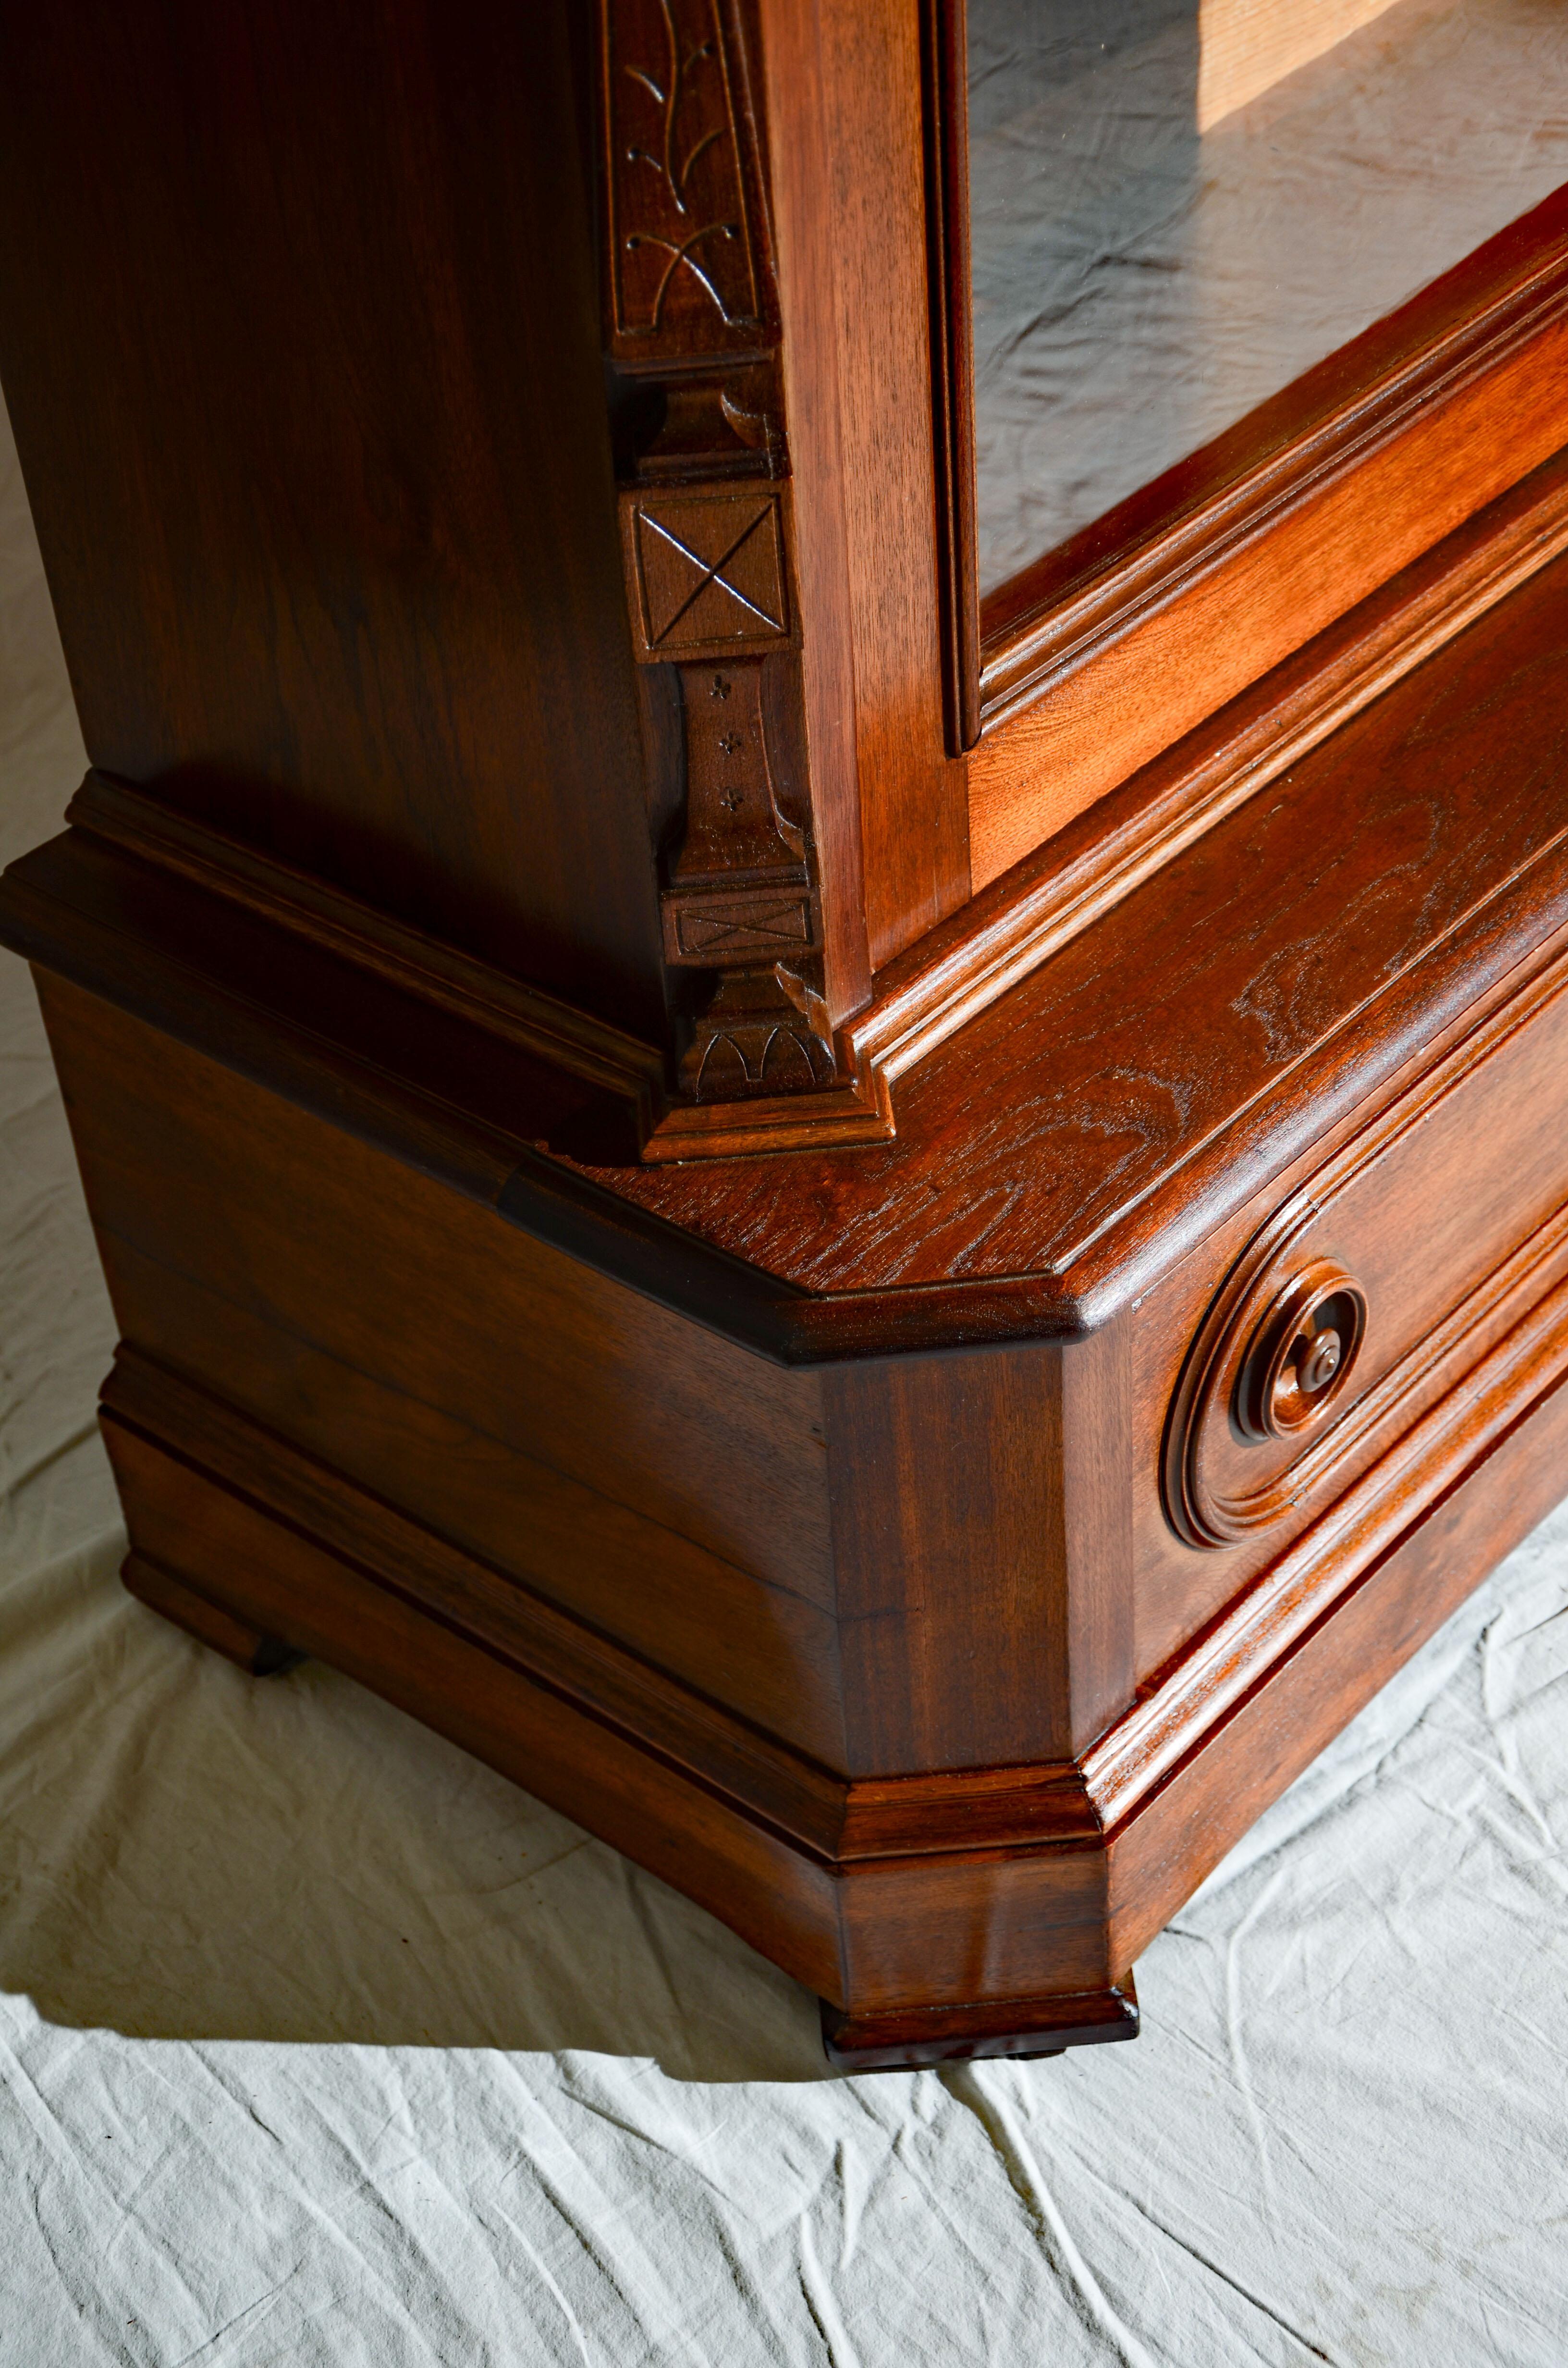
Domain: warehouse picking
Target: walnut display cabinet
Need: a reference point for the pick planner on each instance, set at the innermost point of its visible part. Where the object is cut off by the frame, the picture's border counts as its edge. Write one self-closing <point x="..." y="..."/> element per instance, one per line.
<point x="813" y="985"/>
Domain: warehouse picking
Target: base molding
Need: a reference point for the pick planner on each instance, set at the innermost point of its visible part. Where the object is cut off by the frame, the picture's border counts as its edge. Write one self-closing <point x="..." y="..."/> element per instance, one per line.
<point x="504" y="1015"/>
<point x="900" y="2040"/>
<point x="881" y="1896"/>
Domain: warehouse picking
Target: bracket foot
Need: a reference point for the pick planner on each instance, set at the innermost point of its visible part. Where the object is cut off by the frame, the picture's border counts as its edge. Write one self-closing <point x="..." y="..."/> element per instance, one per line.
<point x="900" y="2039"/>
<point x="259" y="1655"/>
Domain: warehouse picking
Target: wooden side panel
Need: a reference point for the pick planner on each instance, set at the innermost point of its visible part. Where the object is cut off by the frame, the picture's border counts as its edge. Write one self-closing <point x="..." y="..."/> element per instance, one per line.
<point x="949" y="1534"/>
<point x="792" y="69"/>
<point x="298" y="329"/>
<point x="654" y="1478"/>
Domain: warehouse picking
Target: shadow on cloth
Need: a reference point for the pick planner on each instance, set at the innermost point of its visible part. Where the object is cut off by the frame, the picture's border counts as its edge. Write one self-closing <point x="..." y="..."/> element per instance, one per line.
<point x="193" y="1853"/>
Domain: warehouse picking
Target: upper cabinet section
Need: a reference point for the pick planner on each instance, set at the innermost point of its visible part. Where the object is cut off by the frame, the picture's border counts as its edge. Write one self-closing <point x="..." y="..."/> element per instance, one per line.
<point x="1180" y="206"/>
<point x="1268" y="299"/>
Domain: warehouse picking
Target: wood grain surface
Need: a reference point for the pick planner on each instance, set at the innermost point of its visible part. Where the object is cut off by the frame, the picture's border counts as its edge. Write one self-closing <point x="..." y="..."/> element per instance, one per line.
<point x="1115" y="1108"/>
<point x="332" y="545"/>
<point x="847" y="100"/>
<point x="1244" y="47"/>
<point x="499" y="1392"/>
<point x="1078" y="1109"/>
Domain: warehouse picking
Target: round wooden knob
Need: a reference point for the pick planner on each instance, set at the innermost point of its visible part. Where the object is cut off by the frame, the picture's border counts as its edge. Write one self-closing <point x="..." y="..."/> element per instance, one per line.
<point x="1301" y="1354"/>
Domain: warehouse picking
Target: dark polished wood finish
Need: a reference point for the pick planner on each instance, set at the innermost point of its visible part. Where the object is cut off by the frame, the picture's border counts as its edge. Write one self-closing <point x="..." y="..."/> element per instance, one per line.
<point x="843" y="1506"/>
<point x="502" y="478"/>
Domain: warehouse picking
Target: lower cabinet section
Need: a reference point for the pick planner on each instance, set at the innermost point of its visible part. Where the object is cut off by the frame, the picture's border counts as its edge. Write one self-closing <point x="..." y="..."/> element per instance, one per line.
<point x="929" y="1557"/>
<point x="986" y="1912"/>
<point x="935" y="1785"/>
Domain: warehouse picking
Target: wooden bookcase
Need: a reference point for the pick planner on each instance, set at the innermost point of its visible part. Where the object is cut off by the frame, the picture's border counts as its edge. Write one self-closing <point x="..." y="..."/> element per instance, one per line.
<point x="893" y="1243"/>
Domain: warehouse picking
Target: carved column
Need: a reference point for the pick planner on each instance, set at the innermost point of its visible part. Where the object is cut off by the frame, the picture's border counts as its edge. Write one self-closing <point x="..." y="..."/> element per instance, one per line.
<point x="692" y="334"/>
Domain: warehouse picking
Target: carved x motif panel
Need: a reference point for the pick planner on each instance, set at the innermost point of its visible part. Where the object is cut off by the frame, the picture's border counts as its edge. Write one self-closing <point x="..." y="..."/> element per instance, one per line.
<point x="707" y="571"/>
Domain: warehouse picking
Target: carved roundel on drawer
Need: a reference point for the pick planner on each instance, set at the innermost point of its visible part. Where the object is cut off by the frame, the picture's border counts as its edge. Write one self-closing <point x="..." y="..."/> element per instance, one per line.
<point x="1380" y="1283"/>
<point x="1274" y="1362"/>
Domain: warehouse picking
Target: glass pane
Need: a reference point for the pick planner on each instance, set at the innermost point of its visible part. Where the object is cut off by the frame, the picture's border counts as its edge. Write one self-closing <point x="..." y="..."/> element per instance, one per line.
<point x="1179" y="207"/>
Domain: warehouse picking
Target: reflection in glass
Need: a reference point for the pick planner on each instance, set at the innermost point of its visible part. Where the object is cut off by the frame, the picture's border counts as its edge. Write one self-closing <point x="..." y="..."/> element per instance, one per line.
<point x="1140" y="284"/>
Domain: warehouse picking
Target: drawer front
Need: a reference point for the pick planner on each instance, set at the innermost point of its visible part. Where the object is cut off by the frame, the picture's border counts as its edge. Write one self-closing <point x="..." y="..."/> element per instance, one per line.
<point x="1381" y="1281"/>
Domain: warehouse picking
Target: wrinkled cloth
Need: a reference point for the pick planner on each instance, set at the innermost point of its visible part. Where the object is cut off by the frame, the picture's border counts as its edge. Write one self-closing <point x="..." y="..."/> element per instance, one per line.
<point x="321" y="2044"/>
<point x="1138" y="288"/>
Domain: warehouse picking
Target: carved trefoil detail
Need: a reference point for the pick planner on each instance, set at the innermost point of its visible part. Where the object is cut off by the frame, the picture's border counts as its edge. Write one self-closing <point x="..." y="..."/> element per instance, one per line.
<point x="753" y="1041"/>
<point x="682" y="249"/>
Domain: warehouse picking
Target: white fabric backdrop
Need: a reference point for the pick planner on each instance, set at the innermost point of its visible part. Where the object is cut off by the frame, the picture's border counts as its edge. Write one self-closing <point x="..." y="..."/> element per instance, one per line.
<point x="320" y="2043"/>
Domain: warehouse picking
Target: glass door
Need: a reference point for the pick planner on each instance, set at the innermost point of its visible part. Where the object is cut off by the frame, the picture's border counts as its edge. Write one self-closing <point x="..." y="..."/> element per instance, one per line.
<point x="1178" y="207"/>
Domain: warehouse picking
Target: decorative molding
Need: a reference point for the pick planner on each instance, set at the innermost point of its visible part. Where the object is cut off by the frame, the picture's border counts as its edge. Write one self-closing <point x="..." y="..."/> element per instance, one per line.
<point x="833" y="1117"/>
<point x="521" y="1016"/>
<point x="1070" y="883"/>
